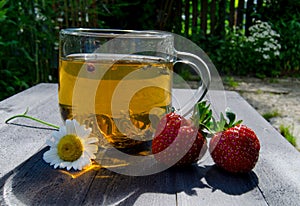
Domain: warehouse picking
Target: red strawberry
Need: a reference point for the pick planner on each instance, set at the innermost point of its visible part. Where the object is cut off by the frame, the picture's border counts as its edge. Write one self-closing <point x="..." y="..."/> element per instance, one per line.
<point x="179" y="141"/>
<point x="235" y="148"/>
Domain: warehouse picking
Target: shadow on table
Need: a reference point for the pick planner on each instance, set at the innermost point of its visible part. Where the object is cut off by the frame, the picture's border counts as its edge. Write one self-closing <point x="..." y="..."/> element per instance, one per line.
<point x="233" y="184"/>
<point x="36" y="183"/>
<point x="32" y="127"/>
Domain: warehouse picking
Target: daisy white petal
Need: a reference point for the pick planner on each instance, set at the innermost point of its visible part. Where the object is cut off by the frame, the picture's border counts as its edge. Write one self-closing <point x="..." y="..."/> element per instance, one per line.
<point x="68" y="165"/>
<point x="57" y="135"/>
<point x="61" y="132"/>
<point x="61" y="165"/>
<point x="88" y="160"/>
<point x="50" y="155"/>
<point x="89" y="152"/>
<point x="50" y="142"/>
<point x="83" y="162"/>
<point x="65" y="164"/>
<point x="82" y="131"/>
<point x="47" y="156"/>
<point x="71" y="147"/>
<point x="76" y="164"/>
<point x="55" y="161"/>
<point x="91" y="148"/>
<point x="90" y="155"/>
<point x="91" y="140"/>
<point x="70" y="128"/>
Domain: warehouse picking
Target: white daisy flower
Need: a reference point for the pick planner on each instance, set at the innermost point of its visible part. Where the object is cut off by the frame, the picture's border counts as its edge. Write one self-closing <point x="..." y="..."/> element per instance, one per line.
<point x="71" y="147"/>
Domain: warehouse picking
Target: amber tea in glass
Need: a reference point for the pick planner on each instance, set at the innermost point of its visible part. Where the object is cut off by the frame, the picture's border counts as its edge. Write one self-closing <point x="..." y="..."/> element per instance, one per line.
<point x="128" y="128"/>
<point x="119" y="83"/>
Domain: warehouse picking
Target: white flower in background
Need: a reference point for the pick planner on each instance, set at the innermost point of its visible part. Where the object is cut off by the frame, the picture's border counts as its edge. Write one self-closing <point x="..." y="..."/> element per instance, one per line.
<point x="264" y="39"/>
<point x="71" y="147"/>
<point x="251" y="39"/>
<point x="277" y="53"/>
<point x="265" y="56"/>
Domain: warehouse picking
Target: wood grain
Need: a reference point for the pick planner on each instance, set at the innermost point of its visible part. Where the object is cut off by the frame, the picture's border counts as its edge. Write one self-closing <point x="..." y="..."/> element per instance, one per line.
<point x="27" y="180"/>
<point x="278" y="168"/>
<point x="22" y="138"/>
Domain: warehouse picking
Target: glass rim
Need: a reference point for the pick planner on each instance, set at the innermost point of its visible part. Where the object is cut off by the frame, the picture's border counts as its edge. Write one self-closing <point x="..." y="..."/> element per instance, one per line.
<point x="113" y="33"/>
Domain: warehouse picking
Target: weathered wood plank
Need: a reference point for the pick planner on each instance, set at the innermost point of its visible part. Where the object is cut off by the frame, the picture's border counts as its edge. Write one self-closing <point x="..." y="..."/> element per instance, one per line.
<point x="35" y="183"/>
<point x="276" y="175"/>
<point x="54" y="187"/>
<point x="207" y="185"/>
<point x="156" y="189"/>
<point x="18" y="143"/>
<point x="41" y="94"/>
<point x="27" y="180"/>
<point x="278" y="168"/>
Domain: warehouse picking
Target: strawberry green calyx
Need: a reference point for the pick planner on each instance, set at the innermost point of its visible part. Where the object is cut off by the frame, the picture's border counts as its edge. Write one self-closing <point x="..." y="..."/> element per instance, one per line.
<point x="202" y="116"/>
<point x="223" y="124"/>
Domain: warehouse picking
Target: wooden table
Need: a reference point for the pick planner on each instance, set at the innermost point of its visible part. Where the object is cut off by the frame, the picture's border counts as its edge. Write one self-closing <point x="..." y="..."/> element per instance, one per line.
<point x="25" y="179"/>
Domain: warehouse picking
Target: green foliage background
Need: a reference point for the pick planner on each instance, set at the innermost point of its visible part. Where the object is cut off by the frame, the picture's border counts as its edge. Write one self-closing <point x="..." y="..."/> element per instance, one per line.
<point x="27" y="54"/>
<point x="29" y="36"/>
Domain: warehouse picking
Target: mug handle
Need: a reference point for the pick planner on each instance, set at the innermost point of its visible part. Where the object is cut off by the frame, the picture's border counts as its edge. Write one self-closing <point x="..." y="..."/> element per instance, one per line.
<point x="202" y="70"/>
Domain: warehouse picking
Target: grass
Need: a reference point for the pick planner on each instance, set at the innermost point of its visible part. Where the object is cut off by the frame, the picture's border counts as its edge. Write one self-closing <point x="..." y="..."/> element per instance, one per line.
<point x="230" y="81"/>
<point x="285" y="131"/>
<point x="259" y="91"/>
<point x="273" y="80"/>
<point x="270" y="115"/>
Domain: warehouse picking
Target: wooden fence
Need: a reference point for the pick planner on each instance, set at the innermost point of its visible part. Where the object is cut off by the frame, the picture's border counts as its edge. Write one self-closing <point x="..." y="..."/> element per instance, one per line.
<point x="186" y="17"/>
<point x="212" y="16"/>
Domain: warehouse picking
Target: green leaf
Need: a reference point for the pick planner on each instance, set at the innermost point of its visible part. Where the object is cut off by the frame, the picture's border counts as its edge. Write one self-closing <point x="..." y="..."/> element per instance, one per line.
<point x="202" y="116"/>
<point x="27" y="55"/>
<point x="238" y="122"/>
<point x="2" y="3"/>
<point x="224" y="124"/>
<point x="3" y="11"/>
<point x="2" y="15"/>
<point x="221" y="123"/>
<point x="230" y="115"/>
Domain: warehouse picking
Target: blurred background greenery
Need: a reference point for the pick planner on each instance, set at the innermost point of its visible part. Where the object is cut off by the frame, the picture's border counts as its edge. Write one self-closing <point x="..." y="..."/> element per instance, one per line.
<point x="242" y="37"/>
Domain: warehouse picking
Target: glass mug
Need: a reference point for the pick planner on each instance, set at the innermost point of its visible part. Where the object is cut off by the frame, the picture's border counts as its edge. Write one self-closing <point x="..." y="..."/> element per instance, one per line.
<point x="119" y="83"/>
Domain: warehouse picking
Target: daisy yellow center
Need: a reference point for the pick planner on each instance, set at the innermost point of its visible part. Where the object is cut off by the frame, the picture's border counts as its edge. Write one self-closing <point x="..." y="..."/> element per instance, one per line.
<point x="69" y="148"/>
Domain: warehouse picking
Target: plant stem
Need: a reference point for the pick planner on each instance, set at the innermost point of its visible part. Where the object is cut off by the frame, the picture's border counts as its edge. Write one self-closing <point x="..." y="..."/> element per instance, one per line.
<point x="32" y="118"/>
